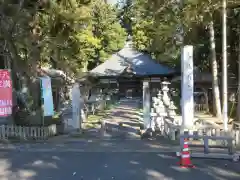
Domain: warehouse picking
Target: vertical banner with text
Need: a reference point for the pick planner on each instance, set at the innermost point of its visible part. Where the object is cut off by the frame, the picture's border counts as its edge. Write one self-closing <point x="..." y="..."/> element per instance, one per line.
<point x="5" y="93"/>
<point x="46" y="86"/>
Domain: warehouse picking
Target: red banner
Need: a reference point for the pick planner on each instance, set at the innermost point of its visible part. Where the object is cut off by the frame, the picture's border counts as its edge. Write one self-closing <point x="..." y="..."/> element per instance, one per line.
<point x="5" y="93"/>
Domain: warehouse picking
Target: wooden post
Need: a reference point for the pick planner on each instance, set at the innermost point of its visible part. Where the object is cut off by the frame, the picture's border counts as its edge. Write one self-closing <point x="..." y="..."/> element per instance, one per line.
<point x="206" y="148"/>
<point x="103" y="128"/>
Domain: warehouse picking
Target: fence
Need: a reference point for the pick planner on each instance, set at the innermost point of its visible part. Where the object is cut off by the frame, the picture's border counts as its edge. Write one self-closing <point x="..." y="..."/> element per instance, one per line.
<point x="212" y="137"/>
<point x="225" y="141"/>
<point x="27" y="133"/>
<point x="198" y="108"/>
<point x="172" y="131"/>
<point x="93" y="107"/>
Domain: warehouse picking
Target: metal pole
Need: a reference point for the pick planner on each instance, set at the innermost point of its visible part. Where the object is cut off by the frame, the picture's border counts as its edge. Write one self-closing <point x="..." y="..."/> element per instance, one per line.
<point x="224" y="66"/>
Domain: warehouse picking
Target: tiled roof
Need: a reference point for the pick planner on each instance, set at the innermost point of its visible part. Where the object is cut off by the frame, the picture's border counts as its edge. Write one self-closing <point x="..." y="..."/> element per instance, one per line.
<point x="142" y="64"/>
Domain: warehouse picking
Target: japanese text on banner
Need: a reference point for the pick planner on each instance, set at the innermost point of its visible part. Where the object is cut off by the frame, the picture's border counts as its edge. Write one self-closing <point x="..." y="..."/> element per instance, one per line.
<point x="5" y="93"/>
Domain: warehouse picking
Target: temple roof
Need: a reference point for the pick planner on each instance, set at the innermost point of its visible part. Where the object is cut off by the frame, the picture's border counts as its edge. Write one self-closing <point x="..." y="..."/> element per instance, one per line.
<point x="140" y="63"/>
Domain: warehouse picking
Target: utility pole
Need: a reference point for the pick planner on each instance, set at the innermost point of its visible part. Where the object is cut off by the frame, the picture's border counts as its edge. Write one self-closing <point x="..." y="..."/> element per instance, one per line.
<point x="224" y="65"/>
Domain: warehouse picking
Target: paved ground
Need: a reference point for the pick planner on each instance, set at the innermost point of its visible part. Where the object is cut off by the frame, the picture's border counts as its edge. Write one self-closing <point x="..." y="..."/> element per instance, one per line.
<point x="126" y="113"/>
<point x="98" y="159"/>
<point x="108" y="166"/>
<point x="81" y="145"/>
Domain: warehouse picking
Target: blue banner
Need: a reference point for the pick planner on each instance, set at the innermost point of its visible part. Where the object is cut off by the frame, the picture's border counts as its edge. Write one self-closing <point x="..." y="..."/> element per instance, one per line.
<point x="46" y="89"/>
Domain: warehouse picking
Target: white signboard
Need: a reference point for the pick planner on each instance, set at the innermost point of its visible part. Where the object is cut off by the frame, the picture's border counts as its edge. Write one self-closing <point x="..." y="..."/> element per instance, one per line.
<point x="187" y="100"/>
<point x="46" y="88"/>
<point x="76" y="106"/>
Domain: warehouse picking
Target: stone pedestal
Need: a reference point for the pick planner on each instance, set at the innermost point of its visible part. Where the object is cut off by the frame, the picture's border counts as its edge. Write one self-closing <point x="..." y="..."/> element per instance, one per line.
<point x="158" y="112"/>
<point x="172" y="112"/>
<point x="152" y="124"/>
<point x="165" y="89"/>
<point x="154" y="102"/>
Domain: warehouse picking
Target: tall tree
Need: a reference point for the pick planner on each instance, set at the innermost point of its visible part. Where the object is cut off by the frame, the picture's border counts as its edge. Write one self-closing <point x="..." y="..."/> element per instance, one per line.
<point x="57" y="33"/>
<point x="156" y="27"/>
<point x="108" y="29"/>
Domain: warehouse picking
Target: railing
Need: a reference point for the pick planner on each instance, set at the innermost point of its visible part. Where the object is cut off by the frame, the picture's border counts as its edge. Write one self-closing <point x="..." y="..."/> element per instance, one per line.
<point x="172" y="131"/>
<point x="169" y="129"/>
<point x="225" y="141"/>
<point x="27" y="133"/>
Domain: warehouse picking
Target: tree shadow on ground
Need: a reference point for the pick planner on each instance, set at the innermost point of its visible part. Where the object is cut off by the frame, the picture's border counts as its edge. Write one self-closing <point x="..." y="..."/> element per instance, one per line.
<point x="120" y="113"/>
<point x="109" y="165"/>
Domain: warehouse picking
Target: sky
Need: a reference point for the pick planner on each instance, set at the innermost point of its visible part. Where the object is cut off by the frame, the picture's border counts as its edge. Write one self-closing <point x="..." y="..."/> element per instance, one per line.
<point x="112" y="1"/>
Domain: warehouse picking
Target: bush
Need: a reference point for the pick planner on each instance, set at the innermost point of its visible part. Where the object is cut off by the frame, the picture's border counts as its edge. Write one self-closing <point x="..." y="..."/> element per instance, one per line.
<point x="24" y="118"/>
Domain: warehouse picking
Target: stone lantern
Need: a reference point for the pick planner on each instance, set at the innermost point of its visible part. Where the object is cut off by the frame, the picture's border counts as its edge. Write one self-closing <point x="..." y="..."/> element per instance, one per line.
<point x="172" y="110"/>
<point x="155" y="102"/>
<point x="159" y="95"/>
<point x="161" y="109"/>
<point x="165" y="89"/>
<point x="152" y="124"/>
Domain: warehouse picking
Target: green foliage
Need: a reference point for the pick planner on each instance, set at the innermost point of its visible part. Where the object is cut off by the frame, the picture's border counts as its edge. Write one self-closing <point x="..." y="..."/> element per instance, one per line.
<point x="156" y="26"/>
<point x="70" y="35"/>
<point x="65" y="34"/>
<point x="153" y="27"/>
<point x="108" y="29"/>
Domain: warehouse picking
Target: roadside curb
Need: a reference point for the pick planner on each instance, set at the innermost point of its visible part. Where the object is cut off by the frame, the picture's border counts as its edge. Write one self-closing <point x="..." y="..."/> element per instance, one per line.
<point x="86" y="150"/>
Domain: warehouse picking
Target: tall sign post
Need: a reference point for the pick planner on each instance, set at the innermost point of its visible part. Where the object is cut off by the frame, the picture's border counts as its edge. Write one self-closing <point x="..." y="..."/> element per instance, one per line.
<point x="5" y="93"/>
<point x="187" y="100"/>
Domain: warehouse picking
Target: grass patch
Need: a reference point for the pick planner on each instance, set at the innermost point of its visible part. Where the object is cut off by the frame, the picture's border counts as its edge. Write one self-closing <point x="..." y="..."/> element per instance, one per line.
<point x="93" y="121"/>
<point x="96" y="117"/>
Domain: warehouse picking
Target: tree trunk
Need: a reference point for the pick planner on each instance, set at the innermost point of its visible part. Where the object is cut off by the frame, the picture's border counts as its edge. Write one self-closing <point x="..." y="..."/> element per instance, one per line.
<point x="215" y="84"/>
<point x="34" y="84"/>
<point x="206" y="99"/>
<point x="238" y="107"/>
<point x="85" y="66"/>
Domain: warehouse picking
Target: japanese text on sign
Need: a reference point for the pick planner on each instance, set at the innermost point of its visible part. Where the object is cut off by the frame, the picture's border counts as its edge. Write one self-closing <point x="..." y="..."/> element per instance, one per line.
<point x="5" y="84"/>
<point x="4" y="74"/>
<point x="5" y="110"/>
<point x="5" y="93"/>
<point x="5" y="103"/>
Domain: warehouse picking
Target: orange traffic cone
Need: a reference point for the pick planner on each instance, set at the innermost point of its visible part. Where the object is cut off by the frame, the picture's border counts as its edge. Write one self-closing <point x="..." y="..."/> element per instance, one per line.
<point x="185" y="161"/>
